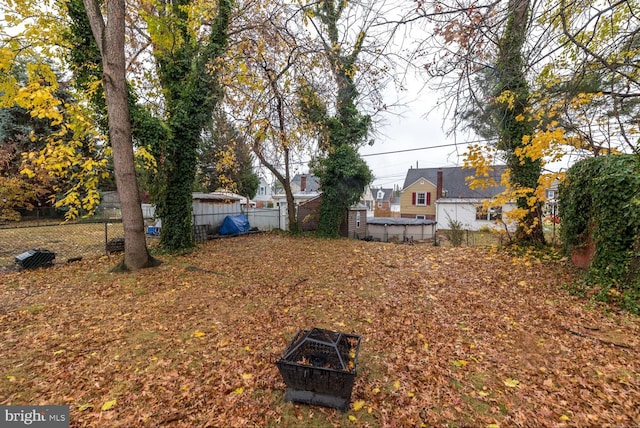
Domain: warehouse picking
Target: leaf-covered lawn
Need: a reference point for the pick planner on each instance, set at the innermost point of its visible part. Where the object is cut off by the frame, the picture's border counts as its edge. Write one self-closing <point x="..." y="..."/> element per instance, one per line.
<point x="450" y="337"/>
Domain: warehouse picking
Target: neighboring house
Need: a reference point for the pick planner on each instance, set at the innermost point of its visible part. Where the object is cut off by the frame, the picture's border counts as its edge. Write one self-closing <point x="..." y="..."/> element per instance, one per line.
<point x="395" y="206"/>
<point x="418" y="195"/>
<point x="264" y="195"/>
<point x="443" y="194"/>
<point x="305" y="183"/>
<point x="383" y="200"/>
<point x="368" y="201"/>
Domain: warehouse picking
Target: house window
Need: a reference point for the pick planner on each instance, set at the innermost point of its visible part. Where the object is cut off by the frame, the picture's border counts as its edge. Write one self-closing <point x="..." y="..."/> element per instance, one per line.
<point x="551" y="194"/>
<point x="420" y="217"/>
<point x="358" y="220"/>
<point x="421" y="198"/>
<point x="495" y="213"/>
<point x="379" y="204"/>
<point x="481" y="212"/>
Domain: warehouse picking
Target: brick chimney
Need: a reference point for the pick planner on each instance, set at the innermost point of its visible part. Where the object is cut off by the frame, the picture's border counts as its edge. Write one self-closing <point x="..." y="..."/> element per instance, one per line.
<point x="303" y="183"/>
<point x="439" y="185"/>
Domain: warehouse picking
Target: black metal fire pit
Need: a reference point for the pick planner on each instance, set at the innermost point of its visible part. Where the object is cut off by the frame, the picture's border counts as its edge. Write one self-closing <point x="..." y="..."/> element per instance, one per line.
<point x="319" y="367"/>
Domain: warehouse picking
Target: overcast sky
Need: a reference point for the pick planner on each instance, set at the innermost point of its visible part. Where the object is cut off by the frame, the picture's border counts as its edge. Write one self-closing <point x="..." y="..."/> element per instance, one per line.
<point x="412" y="136"/>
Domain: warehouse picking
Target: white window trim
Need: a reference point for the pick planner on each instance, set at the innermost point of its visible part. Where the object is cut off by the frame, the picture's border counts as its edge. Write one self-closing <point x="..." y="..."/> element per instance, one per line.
<point x="424" y="198"/>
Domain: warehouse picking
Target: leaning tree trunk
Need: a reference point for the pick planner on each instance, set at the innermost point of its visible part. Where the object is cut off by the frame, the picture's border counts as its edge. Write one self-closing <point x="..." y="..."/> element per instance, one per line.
<point x="110" y="41"/>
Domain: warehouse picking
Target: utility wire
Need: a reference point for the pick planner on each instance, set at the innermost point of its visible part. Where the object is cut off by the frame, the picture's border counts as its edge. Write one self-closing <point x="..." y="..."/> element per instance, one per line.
<point x="425" y="148"/>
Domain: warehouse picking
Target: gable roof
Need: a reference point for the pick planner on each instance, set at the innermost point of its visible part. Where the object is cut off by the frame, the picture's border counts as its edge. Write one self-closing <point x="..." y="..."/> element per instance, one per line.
<point x="388" y="193"/>
<point x="454" y="184"/>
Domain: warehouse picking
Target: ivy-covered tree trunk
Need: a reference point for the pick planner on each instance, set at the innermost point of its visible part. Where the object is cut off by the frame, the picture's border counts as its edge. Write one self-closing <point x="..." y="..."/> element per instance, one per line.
<point x="109" y="37"/>
<point x="343" y="174"/>
<point x="514" y="91"/>
<point x="186" y="68"/>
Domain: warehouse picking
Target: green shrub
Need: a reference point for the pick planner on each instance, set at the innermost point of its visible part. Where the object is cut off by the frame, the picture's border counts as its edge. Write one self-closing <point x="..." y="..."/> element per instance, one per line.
<point x="456" y="232"/>
<point x="600" y="202"/>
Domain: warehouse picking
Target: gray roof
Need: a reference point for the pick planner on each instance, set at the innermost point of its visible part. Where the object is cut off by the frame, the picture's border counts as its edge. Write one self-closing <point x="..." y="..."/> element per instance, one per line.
<point x="454" y="184"/>
<point x="312" y="184"/>
<point x="388" y="193"/>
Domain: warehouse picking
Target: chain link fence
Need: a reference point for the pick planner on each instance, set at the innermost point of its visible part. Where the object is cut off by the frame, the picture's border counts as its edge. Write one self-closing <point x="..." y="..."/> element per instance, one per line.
<point x="67" y="240"/>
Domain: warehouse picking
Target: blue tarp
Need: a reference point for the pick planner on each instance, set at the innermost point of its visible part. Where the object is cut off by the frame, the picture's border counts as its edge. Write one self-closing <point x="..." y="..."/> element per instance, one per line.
<point x="234" y="224"/>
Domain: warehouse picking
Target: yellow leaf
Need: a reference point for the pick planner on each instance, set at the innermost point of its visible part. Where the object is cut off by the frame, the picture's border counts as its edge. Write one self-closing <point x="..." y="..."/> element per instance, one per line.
<point x="246" y="376"/>
<point x="352" y="418"/>
<point x="238" y="391"/>
<point x="58" y="352"/>
<point x="425" y="346"/>
<point x="396" y="384"/>
<point x="11" y="378"/>
<point x="511" y="383"/>
<point x="108" y="405"/>
<point x="460" y="363"/>
<point x="564" y="418"/>
<point x="410" y="394"/>
<point x="375" y="391"/>
<point x="493" y="426"/>
<point x="483" y="394"/>
<point x="84" y="407"/>
<point x="357" y="405"/>
<point x="199" y="334"/>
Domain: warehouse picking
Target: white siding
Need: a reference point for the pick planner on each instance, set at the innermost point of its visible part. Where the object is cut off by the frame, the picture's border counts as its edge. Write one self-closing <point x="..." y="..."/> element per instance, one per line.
<point x="464" y="211"/>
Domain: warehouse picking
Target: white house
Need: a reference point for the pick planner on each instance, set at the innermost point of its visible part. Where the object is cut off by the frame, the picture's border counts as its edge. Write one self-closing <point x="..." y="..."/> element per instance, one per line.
<point x="454" y="200"/>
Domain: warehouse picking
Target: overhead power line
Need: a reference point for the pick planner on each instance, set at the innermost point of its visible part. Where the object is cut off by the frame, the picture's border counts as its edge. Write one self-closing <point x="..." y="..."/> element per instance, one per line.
<point x="425" y="148"/>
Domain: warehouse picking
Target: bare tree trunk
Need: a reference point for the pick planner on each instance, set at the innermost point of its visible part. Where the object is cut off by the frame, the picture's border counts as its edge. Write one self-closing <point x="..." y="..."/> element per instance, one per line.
<point x="110" y="41"/>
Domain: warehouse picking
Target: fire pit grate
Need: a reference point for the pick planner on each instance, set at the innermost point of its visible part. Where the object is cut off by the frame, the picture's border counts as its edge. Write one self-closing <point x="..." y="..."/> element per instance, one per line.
<point x="319" y="367"/>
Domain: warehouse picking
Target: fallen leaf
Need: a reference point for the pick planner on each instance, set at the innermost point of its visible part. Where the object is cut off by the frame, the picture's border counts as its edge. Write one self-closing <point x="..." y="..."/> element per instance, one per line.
<point x="511" y="383"/>
<point x="108" y="405"/>
<point x="358" y="404"/>
<point x="199" y="334"/>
